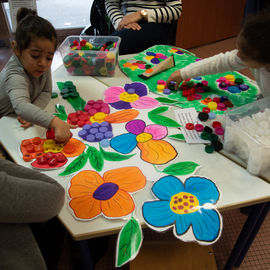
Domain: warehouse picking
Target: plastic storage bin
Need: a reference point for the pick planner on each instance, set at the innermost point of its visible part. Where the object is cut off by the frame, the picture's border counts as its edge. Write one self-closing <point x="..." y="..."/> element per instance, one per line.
<point x="90" y="55"/>
<point x="247" y="134"/>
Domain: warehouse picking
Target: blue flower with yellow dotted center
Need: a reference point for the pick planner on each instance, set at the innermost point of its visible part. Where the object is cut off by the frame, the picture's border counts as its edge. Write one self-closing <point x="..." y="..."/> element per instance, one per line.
<point x="188" y="208"/>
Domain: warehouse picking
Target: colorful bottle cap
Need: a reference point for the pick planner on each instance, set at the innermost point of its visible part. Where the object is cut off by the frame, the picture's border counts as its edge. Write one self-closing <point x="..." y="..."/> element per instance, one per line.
<point x="212" y="106"/>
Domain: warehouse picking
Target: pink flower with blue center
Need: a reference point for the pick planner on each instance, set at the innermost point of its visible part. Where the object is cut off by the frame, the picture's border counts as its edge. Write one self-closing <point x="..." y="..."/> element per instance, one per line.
<point x="188" y="208"/>
<point x="133" y="95"/>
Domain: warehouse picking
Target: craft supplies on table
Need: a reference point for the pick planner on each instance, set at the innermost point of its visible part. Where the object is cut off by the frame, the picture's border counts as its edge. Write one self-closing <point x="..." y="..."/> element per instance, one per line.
<point x="90" y="55"/>
<point x="247" y="134"/>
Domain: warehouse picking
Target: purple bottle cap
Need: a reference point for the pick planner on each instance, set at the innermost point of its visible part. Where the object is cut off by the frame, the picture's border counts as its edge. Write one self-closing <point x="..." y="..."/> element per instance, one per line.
<point x="131" y="90"/>
<point x="82" y="133"/>
<point x="99" y="136"/>
<point x="95" y="125"/>
<point x="108" y="134"/>
<point x="93" y="131"/>
<point x="86" y="127"/>
<point x="90" y="138"/>
<point x="103" y="129"/>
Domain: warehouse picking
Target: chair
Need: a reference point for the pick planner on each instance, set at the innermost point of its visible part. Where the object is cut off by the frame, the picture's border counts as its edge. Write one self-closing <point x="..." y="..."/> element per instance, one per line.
<point x="98" y="25"/>
<point x="173" y="33"/>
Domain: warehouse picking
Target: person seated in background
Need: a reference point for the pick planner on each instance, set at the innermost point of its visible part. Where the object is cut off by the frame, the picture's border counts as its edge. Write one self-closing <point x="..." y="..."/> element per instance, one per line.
<point x="253" y="52"/>
<point x="142" y="24"/>
<point x="27" y="196"/>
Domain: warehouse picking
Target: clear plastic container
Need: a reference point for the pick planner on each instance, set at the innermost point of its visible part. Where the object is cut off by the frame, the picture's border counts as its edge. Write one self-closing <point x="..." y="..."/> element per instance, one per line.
<point x="97" y="57"/>
<point x="247" y="134"/>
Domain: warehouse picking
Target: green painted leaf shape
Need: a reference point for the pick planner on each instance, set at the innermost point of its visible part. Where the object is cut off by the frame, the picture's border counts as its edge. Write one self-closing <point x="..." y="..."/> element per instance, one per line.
<point x="60" y="109"/>
<point x="75" y="165"/>
<point x="163" y="120"/>
<point x="166" y="100"/>
<point x="129" y="242"/>
<point x="114" y="156"/>
<point x="179" y="137"/>
<point x="61" y="116"/>
<point x="77" y="103"/>
<point x="159" y="110"/>
<point x="95" y="158"/>
<point x="181" y="168"/>
<point x="60" y="85"/>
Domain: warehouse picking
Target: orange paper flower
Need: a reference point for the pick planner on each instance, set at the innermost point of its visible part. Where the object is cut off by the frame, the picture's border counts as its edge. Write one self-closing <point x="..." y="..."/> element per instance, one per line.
<point x="92" y="195"/>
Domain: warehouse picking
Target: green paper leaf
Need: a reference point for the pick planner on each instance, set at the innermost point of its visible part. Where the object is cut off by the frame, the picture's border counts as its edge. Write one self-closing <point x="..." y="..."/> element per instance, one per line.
<point x="179" y="137"/>
<point x="129" y="242"/>
<point x="61" y="116"/>
<point x="75" y="165"/>
<point x="181" y="168"/>
<point x="77" y="103"/>
<point x="166" y="100"/>
<point x="159" y="110"/>
<point x="60" y="85"/>
<point x="61" y="112"/>
<point x="95" y="158"/>
<point x="114" y="156"/>
<point x="60" y="109"/>
<point x="163" y="120"/>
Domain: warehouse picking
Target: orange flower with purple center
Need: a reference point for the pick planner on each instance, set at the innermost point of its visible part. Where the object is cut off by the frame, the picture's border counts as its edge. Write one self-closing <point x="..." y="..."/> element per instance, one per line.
<point x="92" y="195"/>
<point x="148" y="139"/>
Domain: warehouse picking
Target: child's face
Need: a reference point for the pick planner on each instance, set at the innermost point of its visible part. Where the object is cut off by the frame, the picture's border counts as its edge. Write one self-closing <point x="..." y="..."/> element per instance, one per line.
<point x="37" y="58"/>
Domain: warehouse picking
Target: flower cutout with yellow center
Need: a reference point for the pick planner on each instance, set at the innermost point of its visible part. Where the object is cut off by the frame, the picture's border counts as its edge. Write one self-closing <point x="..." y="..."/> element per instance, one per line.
<point x="92" y="195"/>
<point x="148" y="139"/>
<point x="188" y="208"/>
<point x="133" y="95"/>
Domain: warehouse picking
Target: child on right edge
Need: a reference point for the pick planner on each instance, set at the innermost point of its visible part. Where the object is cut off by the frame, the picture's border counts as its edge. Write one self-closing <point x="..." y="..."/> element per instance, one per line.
<point x="253" y="51"/>
<point x="25" y="82"/>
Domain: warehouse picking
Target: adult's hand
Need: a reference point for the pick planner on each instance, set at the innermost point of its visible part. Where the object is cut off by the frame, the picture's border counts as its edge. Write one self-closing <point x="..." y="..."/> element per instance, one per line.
<point x="133" y="26"/>
<point x="130" y="18"/>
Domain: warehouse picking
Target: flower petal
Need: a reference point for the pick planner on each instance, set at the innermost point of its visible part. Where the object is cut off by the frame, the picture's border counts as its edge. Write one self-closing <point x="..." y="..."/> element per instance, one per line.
<point x="140" y="88"/>
<point x="85" y="207"/>
<point x="124" y="143"/>
<point x="157" y="131"/>
<point x="145" y="103"/>
<point x="122" y="116"/>
<point x="166" y="187"/>
<point x="112" y="94"/>
<point x="129" y="179"/>
<point x="204" y="189"/>
<point x="206" y="225"/>
<point x="121" y="105"/>
<point x="157" y="151"/>
<point x="158" y="213"/>
<point x="183" y="222"/>
<point x="135" y="126"/>
<point x="85" y="182"/>
<point x="120" y="205"/>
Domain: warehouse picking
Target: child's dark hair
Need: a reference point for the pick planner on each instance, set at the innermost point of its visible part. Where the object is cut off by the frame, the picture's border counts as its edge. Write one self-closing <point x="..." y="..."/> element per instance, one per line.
<point x="256" y="37"/>
<point x="31" y="26"/>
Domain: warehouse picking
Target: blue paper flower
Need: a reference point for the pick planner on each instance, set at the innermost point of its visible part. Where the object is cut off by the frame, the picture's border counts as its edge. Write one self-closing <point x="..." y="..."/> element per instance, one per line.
<point x="183" y="206"/>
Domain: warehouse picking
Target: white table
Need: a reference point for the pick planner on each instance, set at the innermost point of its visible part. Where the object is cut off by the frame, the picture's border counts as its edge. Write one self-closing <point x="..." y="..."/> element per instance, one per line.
<point x="238" y="187"/>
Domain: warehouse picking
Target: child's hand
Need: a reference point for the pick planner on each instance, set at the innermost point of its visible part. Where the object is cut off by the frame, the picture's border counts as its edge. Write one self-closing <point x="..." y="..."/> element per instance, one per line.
<point x="61" y="130"/>
<point x="176" y="77"/>
<point x="24" y="123"/>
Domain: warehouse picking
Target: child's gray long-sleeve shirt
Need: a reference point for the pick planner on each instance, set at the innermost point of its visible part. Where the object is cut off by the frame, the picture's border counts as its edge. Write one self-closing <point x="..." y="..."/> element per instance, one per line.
<point x="26" y="196"/>
<point x="223" y="62"/>
<point x="25" y="95"/>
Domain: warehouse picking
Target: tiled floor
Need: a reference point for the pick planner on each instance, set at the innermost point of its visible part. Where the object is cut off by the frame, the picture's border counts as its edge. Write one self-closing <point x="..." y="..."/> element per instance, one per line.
<point x="258" y="257"/>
